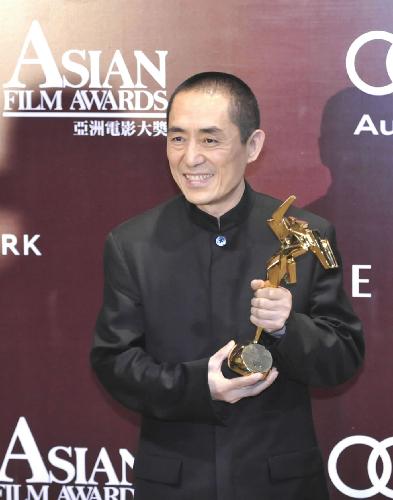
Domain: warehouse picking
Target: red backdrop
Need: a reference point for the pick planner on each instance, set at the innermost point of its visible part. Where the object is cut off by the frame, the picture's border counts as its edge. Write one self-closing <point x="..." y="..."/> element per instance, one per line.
<point x="69" y="179"/>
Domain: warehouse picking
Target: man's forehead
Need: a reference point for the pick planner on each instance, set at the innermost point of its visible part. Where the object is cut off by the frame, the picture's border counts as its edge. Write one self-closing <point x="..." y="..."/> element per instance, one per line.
<point x="210" y="105"/>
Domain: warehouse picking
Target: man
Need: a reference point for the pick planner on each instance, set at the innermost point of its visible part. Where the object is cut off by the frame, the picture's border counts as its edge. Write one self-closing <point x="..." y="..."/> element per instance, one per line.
<point x="177" y="293"/>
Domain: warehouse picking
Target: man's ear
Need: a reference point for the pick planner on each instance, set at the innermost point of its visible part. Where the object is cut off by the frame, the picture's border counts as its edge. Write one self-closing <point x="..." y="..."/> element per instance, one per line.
<point x="255" y="145"/>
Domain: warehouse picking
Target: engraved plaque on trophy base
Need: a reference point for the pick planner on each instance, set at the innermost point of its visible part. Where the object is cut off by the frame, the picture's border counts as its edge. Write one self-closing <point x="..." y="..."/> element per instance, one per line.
<point x="250" y="358"/>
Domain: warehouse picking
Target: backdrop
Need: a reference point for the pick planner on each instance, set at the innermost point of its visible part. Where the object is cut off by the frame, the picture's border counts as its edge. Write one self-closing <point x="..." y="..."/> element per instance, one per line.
<point x="82" y="147"/>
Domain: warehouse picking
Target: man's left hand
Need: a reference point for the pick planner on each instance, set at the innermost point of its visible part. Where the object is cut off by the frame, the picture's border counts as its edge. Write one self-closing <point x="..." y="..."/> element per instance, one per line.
<point x="270" y="307"/>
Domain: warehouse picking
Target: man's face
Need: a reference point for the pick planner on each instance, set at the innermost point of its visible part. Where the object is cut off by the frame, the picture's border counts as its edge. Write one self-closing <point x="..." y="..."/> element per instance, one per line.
<point x="206" y="156"/>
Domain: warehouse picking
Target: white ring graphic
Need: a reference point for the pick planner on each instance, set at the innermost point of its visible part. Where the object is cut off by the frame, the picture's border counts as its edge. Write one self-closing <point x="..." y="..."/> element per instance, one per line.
<point x="379" y="450"/>
<point x="351" y="67"/>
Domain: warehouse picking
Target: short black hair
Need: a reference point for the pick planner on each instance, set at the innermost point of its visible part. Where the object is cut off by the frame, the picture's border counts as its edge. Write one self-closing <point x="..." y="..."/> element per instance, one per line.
<point x="243" y="110"/>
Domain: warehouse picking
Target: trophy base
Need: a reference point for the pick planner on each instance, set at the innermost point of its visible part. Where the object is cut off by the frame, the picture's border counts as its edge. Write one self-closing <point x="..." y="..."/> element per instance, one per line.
<point x="250" y="358"/>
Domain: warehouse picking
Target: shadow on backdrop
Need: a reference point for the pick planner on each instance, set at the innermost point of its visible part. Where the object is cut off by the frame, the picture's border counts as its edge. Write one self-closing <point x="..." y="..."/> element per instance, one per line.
<point x="359" y="203"/>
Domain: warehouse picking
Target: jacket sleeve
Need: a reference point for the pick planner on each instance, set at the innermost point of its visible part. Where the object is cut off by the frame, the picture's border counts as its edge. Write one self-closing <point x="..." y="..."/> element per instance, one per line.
<point x="156" y="389"/>
<point x="324" y="347"/>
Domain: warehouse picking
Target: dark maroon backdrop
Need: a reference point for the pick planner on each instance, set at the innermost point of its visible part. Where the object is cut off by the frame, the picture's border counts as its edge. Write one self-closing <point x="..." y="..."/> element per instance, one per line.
<point x="71" y="190"/>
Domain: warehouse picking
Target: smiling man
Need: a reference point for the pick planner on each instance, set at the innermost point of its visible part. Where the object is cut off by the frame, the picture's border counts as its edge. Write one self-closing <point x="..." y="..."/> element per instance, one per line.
<point x="182" y="281"/>
<point x="206" y="152"/>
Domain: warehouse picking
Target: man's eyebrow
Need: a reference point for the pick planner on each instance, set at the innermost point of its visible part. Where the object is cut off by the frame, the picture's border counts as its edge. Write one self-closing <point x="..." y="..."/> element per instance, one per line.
<point x="205" y="130"/>
<point x="211" y="130"/>
<point x="176" y="129"/>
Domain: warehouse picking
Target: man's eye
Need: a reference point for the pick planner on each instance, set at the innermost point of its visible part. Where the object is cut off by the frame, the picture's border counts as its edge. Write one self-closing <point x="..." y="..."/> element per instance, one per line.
<point x="210" y="140"/>
<point x="177" y="138"/>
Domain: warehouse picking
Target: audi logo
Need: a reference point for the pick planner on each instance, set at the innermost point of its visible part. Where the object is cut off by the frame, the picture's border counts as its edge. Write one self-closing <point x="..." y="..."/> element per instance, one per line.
<point x="378" y="450"/>
<point x="351" y="58"/>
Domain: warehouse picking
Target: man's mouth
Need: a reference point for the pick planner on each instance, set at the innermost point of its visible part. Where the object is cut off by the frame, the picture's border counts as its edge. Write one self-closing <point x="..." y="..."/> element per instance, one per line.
<point x="197" y="177"/>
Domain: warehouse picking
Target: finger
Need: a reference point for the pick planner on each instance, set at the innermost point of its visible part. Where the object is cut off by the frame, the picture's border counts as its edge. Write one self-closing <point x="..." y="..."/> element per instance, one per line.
<point x="271" y="293"/>
<point x="268" y="325"/>
<point x="221" y="354"/>
<point x="264" y="384"/>
<point x="255" y="389"/>
<point x="239" y="383"/>
<point x="272" y="375"/>
<point x="257" y="284"/>
<point x="262" y="303"/>
<point x="267" y="314"/>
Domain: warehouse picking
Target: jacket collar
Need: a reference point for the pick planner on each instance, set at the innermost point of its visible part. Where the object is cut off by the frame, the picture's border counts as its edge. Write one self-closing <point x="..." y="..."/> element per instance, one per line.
<point x="232" y="218"/>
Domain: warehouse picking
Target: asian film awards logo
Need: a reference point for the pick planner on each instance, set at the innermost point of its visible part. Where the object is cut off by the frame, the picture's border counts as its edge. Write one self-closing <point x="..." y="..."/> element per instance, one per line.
<point x="124" y="98"/>
<point x="65" y="473"/>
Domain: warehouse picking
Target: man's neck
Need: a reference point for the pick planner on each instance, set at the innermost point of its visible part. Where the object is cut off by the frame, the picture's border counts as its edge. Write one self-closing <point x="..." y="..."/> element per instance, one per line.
<point x="219" y="209"/>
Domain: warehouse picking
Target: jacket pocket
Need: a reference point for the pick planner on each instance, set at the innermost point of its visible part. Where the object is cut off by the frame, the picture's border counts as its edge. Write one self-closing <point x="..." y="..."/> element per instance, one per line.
<point x="295" y="464"/>
<point x="158" y="468"/>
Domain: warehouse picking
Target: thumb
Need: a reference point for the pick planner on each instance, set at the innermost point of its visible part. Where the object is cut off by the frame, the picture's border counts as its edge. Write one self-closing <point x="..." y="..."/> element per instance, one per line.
<point x="222" y="353"/>
<point x="257" y="284"/>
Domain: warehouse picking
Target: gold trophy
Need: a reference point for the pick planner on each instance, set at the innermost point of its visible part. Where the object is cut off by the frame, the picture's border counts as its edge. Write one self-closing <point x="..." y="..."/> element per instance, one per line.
<point x="296" y="239"/>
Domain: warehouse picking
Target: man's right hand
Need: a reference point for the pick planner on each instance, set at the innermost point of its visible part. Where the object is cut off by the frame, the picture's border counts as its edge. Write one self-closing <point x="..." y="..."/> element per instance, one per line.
<point x="232" y="390"/>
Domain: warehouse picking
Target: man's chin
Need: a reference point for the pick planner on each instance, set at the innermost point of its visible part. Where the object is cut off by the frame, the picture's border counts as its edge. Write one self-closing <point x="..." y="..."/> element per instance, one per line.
<point x="197" y="195"/>
<point x="197" y="198"/>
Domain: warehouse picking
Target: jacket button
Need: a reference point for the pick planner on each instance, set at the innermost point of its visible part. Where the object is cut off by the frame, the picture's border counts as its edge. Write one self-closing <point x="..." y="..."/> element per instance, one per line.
<point x="221" y="241"/>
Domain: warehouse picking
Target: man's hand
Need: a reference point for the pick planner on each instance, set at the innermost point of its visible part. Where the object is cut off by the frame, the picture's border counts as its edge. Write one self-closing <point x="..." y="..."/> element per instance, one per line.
<point x="232" y="390"/>
<point x="270" y="307"/>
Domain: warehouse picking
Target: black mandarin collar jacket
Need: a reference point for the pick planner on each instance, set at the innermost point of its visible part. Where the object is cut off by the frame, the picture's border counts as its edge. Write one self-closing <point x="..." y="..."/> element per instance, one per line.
<point x="173" y="297"/>
<point x="230" y="219"/>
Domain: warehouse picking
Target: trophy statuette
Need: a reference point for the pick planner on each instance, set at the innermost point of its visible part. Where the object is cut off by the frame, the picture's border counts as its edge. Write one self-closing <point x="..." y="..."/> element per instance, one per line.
<point x="296" y="239"/>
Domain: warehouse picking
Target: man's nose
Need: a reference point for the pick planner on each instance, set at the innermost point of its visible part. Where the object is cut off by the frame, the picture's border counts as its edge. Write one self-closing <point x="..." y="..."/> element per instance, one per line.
<point x="193" y="155"/>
